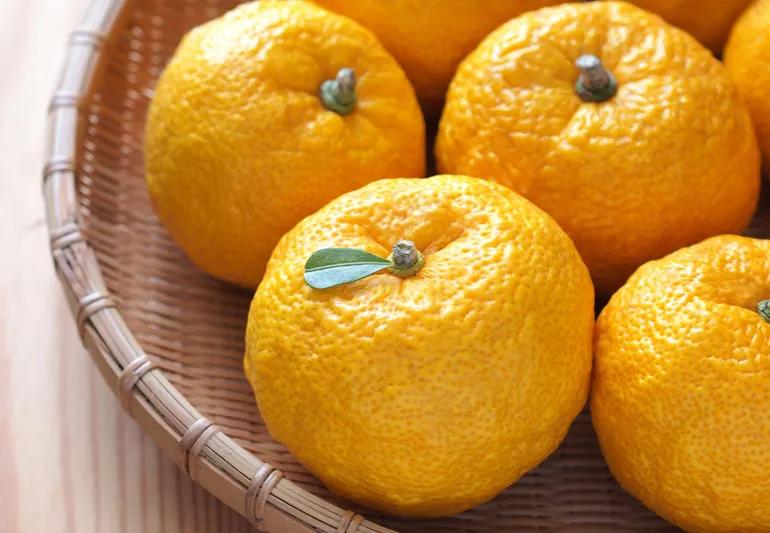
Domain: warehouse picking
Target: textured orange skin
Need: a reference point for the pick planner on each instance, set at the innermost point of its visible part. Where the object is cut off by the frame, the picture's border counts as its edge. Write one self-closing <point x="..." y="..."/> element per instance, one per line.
<point x="747" y="57"/>
<point x="709" y="21"/>
<point x="425" y="395"/>
<point x="239" y="147"/>
<point x="429" y="38"/>
<point x="681" y="387"/>
<point x="669" y="160"/>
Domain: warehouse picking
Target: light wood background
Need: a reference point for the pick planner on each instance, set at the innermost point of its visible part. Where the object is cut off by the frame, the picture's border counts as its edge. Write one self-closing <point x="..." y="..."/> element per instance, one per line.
<point x="70" y="459"/>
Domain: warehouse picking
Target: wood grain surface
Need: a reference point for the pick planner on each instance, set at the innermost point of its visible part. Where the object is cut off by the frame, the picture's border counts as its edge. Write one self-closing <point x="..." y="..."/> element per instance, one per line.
<point x="70" y="459"/>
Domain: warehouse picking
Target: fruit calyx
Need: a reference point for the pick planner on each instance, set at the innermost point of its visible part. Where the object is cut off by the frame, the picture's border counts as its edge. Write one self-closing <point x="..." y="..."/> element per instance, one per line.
<point x="594" y="83"/>
<point x="406" y="259"/>
<point x="339" y="94"/>
<point x="763" y="308"/>
<point x="331" y="267"/>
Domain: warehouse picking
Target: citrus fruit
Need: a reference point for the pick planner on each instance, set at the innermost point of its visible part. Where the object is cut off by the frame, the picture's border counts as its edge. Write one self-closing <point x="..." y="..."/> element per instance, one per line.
<point x="264" y="115"/>
<point x="709" y="21"/>
<point x="429" y="38"/>
<point x="681" y="387"/>
<point x="622" y="127"/>
<point x="430" y="386"/>
<point x="747" y="58"/>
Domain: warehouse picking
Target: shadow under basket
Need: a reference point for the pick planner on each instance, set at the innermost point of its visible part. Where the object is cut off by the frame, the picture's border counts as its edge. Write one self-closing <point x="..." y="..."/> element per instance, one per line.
<point x="169" y="340"/>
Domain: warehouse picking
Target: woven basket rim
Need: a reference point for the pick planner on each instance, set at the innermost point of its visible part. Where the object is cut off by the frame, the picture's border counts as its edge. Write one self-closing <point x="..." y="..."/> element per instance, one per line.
<point x="234" y="475"/>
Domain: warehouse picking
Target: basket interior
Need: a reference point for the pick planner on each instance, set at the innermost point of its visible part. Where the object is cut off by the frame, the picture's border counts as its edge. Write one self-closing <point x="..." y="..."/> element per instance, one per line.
<point x="192" y="325"/>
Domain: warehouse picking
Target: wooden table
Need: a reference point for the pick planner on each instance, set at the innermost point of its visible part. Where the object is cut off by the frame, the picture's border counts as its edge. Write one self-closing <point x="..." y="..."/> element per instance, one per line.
<point x="70" y="459"/>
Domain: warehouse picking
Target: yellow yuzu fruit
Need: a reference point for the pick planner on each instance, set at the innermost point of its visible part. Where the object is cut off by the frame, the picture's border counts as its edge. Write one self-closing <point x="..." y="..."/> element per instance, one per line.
<point x="392" y="389"/>
<point x="663" y="158"/>
<point x="240" y="146"/>
<point x="681" y="386"/>
<point x="747" y="58"/>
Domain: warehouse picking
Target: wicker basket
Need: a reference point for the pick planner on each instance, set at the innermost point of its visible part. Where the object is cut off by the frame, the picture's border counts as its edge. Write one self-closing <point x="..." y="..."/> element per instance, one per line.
<point x="168" y="339"/>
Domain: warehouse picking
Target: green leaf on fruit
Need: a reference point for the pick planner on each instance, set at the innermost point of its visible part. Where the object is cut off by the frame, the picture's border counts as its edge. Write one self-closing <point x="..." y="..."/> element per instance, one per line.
<point x="336" y="266"/>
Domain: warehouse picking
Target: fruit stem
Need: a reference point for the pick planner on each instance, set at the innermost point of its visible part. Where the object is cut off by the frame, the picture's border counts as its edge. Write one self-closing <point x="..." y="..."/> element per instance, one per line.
<point x="763" y="308"/>
<point x="595" y="83"/>
<point x="339" y="94"/>
<point x="407" y="259"/>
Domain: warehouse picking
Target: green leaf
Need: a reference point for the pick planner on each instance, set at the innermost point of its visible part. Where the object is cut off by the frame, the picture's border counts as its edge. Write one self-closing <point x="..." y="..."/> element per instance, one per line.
<point x="336" y="266"/>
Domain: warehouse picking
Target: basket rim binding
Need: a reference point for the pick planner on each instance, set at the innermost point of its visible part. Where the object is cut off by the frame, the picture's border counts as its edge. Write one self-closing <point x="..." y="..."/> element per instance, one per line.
<point x="235" y="476"/>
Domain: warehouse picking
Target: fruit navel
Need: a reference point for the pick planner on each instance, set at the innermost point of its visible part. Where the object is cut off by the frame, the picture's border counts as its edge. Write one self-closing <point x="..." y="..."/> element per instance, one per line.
<point x="406" y="258"/>
<point x="594" y="83"/>
<point x="339" y="94"/>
